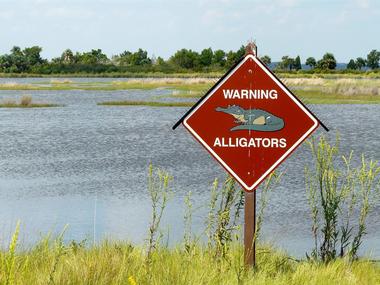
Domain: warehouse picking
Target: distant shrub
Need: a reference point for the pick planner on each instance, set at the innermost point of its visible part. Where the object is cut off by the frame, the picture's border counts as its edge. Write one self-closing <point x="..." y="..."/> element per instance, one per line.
<point x="26" y="100"/>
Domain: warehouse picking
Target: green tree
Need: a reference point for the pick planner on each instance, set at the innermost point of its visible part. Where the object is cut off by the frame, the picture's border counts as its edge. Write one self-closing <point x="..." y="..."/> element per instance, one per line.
<point x="33" y="55"/>
<point x="5" y="63"/>
<point x="230" y="58"/>
<point x="206" y="56"/>
<point x="140" y="57"/>
<point x="219" y="57"/>
<point x="16" y="51"/>
<point x="310" y="61"/>
<point x="373" y="59"/>
<point x="360" y="63"/>
<point x="328" y="61"/>
<point x="352" y="65"/>
<point x="21" y="60"/>
<point x="185" y="58"/>
<point x="266" y="59"/>
<point x="17" y="60"/>
<point x="297" y="63"/>
<point x="67" y="57"/>
<point x="95" y="56"/>
<point x="240" y="52"/>
<point x="233" y="57"/>
<point x="160" y="61"/>
<point x="124" y="58"/>
<point x="287" y="63"/>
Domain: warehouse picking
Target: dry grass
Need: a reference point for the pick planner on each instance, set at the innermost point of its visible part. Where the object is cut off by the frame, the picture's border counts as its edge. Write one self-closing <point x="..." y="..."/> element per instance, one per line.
<point x="147" y="103"/>
<point x="53" y="262"/>
<point x="26" y="101"/>
<point x="62" y="81"/>
<point x="341" y="86"/>
<point x="165" y="81"/>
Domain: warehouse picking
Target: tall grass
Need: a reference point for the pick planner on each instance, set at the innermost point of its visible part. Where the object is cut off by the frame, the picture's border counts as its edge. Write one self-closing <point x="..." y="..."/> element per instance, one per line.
<point x="337" y="191"/>
<point x="159" y="193"/>
<point x="25" y="102"/>
<point x="220" y="261"/>
<point x="146" y="103"/>
<point x="123" y="263"/>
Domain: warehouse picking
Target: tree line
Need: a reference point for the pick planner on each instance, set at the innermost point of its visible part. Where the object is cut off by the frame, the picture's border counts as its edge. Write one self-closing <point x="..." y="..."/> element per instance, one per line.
<point x="29" y="60"/>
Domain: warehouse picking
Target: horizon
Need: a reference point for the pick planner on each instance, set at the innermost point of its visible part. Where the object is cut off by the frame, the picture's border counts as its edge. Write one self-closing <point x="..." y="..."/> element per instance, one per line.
<point x="312" y="29"/>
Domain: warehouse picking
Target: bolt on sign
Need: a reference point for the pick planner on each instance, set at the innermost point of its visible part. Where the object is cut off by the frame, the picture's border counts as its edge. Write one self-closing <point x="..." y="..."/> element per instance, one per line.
<point x="250" y="122"/>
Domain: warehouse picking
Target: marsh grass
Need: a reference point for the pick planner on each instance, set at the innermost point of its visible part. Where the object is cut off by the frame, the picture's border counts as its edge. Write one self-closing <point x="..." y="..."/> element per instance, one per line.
<point x="146" y="103"/>
<point x="316" y="89"/>
<point x="26" y="101"/>
<point x="318" y="97"/>
<point x="62" y="81"/>
<point x="123" y="263"/>
<point x="51" y="261"/>
<point x="159" y="190"/>
<point x="341" y="196"/>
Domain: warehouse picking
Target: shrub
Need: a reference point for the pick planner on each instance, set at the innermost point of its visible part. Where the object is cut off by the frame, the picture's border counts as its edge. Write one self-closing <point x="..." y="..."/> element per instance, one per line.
<point x="339" y="194"/>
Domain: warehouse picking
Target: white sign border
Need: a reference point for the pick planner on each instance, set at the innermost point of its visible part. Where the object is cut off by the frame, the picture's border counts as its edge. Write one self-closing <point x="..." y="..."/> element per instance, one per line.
<point x="252" y="187"/>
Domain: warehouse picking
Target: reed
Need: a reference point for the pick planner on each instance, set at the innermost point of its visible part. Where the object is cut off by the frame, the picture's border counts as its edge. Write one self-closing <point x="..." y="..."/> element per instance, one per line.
<point x="146" y="103"/>
<point x="336" y="190"/>
<point x="220" y="261"/>
<point x="112" y="262"/>
<point x="26" y="101"/>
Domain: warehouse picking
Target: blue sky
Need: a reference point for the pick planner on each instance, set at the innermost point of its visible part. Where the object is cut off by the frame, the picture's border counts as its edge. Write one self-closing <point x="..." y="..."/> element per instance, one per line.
<point x="280" y="27"/>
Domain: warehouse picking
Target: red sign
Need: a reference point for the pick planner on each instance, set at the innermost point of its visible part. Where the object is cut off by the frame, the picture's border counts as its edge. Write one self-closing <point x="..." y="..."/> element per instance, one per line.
<point x="250" y="122"/>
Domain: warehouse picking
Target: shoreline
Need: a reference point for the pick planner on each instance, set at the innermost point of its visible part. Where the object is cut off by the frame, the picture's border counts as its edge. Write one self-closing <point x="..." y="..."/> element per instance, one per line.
<point x="215" y="74"/>
<point x="341" y="90"/>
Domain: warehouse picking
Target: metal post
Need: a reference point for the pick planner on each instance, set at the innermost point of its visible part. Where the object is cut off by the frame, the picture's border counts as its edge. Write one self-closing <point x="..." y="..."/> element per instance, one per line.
<point x="250" y="229"/>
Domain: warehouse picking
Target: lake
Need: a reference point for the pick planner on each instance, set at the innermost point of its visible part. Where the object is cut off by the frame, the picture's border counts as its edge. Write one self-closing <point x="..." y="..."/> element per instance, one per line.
<point x="86" y="166"/>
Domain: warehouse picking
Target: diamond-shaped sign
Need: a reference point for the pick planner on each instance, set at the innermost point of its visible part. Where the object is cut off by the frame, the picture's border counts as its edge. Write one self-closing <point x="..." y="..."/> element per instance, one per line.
<point x="250" y="122"/>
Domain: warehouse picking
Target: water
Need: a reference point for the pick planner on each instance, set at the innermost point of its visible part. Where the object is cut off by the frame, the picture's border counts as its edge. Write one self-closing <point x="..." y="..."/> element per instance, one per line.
<point x="86" y="166"/>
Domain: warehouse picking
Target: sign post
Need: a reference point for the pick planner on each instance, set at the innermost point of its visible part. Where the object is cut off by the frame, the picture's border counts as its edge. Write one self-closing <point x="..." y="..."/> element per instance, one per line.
<point x="250" y="228"/>
<point x="250" y="122"/>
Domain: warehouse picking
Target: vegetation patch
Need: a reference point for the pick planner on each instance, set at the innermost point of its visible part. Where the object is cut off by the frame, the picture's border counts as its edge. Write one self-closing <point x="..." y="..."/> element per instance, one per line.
<point x="25" y="102"/>
<point x="334" y="191"/>
<point x="52" y="262"/>
<point x="318" y="97"/>
<point x="147" y="103"/>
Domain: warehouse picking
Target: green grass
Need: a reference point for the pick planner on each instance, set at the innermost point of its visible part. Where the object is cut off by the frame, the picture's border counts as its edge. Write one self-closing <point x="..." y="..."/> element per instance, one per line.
<point x="25" y="102"/>
<point x="118" y="75"/>
<point x="314" y="90"/>
<point x="195" y="74"/>
<point x="52" y="262"/>
<point x="33" y="105"/>
<point x="188" y="84"/>
<point x="318" y="97"/>
<point x="147" y="103"/>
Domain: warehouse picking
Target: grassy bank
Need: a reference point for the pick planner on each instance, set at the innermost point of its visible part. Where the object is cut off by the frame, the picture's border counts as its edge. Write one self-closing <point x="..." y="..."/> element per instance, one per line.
<point x="147" y="103"/>
<point x="219" y="260"/>
<point x="117" y="75"/>
<point x="33" y="105"/>
<point x="123" y="263"/>
<point x="52" y="262"/>
<point x="312" y="90"/>
<point x="25" y="102"/>
<point x="195" y="74"/>
<point x="193" y="84"/>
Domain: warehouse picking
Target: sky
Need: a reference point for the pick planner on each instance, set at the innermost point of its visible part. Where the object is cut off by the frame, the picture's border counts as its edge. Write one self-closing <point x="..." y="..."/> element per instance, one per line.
<point x="347" y="28"/>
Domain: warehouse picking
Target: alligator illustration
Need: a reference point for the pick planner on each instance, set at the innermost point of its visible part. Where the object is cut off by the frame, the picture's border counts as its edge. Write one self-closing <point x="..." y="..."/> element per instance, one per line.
<point x="253" y="119"/>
